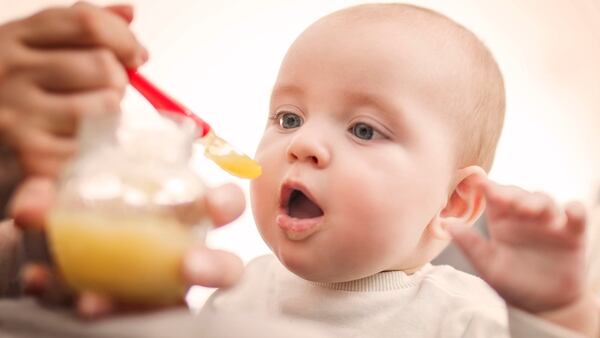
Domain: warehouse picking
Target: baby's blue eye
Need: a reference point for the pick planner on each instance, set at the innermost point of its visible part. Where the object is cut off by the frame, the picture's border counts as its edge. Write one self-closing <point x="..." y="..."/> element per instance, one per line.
<point x="362" y="131"/>
<point x="288" y="120"/>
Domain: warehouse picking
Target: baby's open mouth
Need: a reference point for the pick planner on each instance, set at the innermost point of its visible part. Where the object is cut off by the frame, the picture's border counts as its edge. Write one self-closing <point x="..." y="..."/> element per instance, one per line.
<point x="300" y="216"/>
<point x="298" y="205"/>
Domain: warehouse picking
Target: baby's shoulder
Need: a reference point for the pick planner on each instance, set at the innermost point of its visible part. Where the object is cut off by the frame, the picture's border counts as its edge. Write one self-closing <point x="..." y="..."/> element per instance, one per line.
<point x="460" y="288"/>
<point x="255" y="285"/>
<point x="260" y="263"/>
<point x="467" y="302"/>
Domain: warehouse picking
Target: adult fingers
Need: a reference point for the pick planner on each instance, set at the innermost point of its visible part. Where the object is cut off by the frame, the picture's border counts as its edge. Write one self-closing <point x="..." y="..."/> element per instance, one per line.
<point x="124" y="11"/>
<point x="576" y="218"/>
<point x="32" y="201"/>
<point x="41" y="153"/>
<point x="37" y="143"/>
<point x="64" y="111"/>
<point x="43" y="282"/>
<point x="211" y="268"/>
<point x="77" y="69"/>
<point x="84" y="24"/>
<point x="225" y="203"/>
<point x="93" y="305"/>
<point x="56" y="113"/>
<point x="68" y="109"/>
<point x="35" y="278"/>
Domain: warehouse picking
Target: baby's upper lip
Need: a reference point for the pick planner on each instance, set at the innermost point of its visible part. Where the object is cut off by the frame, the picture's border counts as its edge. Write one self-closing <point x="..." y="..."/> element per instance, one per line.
<point x="288" y="187"/>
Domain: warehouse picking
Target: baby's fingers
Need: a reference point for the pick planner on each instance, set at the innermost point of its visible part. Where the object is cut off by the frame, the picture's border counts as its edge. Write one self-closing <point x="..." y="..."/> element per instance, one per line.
<point x="500" y="199"/>
<point x="479" y="251"/>
<point x="521" y="205"/>
<point x="539" y="208"/>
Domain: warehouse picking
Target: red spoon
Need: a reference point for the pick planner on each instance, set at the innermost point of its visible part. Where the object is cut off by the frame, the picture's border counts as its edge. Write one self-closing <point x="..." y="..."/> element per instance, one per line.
<point x="216" y="149"/>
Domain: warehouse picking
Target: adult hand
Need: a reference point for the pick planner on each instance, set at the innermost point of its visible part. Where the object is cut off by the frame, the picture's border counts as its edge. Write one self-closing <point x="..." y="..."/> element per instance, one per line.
<point x="56" y="66"/>
<point x="201" y="266"/>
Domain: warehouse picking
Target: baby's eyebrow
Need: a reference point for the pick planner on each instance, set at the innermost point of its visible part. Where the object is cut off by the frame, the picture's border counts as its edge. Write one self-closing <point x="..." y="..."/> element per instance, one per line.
<point x="287" y="89"/>
<point x="389" y="109"/>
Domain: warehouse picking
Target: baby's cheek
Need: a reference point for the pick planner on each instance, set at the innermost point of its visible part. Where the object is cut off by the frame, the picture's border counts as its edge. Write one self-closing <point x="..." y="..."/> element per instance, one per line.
<point x="264" y="209"/>
<point x="360" y="250"/>
<point x="378" y="220"/>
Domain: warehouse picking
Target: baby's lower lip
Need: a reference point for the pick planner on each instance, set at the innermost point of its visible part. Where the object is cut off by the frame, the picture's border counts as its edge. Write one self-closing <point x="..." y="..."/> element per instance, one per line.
<point x="297" y="229"/>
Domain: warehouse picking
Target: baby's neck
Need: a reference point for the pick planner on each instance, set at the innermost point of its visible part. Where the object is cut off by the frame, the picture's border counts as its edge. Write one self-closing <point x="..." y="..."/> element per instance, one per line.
<point x="408" y="271"/>
<point x="382" y="281"/>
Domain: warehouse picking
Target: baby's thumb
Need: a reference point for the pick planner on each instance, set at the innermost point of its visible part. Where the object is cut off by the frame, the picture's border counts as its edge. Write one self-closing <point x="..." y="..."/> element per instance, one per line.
<point x="474" y="246"/>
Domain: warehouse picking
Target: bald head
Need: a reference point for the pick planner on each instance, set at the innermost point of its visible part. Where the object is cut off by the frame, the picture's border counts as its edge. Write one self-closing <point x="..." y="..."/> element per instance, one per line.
<point x="468" y="80"/>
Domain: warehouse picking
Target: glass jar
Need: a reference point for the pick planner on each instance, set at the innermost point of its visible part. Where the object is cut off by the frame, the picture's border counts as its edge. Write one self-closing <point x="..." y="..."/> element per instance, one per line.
<point x="128" y="207"/>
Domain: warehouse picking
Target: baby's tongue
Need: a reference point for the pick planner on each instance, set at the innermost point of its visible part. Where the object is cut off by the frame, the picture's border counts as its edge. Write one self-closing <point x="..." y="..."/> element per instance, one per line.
<point x="302" y="207"/>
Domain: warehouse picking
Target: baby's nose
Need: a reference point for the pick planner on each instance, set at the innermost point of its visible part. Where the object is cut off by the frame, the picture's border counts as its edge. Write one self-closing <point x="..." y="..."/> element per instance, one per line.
<point x="309" y="148"/>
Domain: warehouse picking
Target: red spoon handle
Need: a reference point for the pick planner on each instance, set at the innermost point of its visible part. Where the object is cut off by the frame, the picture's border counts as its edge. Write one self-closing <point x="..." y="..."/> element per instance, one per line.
<point x="162" y="102"/>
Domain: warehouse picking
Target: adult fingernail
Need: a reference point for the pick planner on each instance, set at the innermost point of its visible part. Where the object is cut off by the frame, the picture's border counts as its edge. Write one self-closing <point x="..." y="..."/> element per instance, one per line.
<point x="140" y="58"/>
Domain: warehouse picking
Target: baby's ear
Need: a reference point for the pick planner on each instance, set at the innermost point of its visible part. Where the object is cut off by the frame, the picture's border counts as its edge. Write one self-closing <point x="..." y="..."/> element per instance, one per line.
<point x="465" y="204"/>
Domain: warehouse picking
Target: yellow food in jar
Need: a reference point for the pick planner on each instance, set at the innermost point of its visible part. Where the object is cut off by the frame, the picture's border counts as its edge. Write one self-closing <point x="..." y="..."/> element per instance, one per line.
<point x="131" y="258"/>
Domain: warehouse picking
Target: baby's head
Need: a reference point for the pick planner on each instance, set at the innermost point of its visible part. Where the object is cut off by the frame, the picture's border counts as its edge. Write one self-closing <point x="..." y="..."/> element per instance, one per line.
<point x="382" y="119"/>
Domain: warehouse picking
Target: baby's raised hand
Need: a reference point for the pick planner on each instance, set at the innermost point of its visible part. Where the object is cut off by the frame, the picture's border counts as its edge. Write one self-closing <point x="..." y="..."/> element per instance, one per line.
<point x="535" y="257"/>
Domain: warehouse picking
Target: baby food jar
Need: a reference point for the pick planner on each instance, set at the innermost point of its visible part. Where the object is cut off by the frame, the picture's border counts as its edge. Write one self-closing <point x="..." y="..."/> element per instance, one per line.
<point x="127" y="209"/>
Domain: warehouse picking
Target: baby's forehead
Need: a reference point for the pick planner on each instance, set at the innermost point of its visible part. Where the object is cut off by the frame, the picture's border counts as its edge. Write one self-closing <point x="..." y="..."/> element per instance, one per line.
<point x="414" y="47"/>
<point x="397" y="17"/>
<point x="443" y="49"/>
<point x="400" y="28"/>
<point x="400" y="21"/>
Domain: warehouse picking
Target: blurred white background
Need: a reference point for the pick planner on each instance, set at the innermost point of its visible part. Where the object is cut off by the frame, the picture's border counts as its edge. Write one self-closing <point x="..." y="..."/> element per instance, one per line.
<point x="220" y="58"/>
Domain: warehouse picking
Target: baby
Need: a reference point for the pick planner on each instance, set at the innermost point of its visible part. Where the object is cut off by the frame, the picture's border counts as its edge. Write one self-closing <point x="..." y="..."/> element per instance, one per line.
<point x="412" y="104"/>
<point x="383" y="123"/>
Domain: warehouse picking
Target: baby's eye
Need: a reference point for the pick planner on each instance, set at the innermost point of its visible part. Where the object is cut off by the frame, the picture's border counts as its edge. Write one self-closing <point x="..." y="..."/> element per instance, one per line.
<point x="289" y="120"/>
<point x="364" y="131"/>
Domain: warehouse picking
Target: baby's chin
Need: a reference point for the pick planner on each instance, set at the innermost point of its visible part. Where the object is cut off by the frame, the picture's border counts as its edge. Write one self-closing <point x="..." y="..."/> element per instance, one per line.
<point x="320" y="272"/>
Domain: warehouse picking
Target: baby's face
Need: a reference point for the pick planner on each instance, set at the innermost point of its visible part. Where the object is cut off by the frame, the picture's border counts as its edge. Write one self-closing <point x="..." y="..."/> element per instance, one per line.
<point x="357" y="156"/>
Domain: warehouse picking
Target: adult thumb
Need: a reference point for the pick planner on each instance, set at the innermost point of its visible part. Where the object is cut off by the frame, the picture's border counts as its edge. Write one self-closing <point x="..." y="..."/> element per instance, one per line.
<point x="32" y="201"/>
